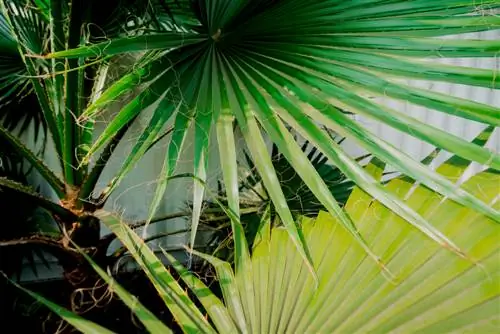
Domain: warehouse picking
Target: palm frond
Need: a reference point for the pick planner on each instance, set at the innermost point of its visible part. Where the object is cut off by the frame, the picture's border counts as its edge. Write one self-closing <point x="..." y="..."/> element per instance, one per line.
<point x="300" y="198"/>
<point x="254" y="201"/>
<point x="292" y="63"/>
<point x="275" y="292"/>
<point x="353" y="295"/>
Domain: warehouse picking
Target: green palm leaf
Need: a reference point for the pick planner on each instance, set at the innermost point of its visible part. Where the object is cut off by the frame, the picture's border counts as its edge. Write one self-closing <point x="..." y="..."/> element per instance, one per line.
<point x="300" y="62"/>
<point x="436" y="291"/>
<point x="183" y="309"/>
<point x="300" y="199"/>
<point x="353" y="296"/>
<point x="255" y="201"/>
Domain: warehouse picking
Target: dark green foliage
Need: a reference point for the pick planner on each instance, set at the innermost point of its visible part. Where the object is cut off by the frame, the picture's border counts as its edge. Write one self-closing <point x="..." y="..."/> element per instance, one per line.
<point x="300" y="198"/>
<point x="18" y="104"/>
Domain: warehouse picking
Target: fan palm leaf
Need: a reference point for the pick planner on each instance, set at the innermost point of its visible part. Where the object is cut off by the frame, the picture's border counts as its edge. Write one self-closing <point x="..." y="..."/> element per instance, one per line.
<point x="271" y="65"/>
<point x="299" y="197"/>
<point x="434" y="292"/>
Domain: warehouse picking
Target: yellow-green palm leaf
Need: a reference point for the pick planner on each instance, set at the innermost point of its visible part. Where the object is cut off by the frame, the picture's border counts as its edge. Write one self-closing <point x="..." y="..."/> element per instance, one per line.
<point x="432" y="290"/>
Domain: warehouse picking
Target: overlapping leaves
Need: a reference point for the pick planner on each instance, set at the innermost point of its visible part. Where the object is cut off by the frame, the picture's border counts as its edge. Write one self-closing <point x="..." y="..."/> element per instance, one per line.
<point x="270" y="65"/>
<point x="274" y="292"/>
<point x="255" y="202"/>
<point x="52" y="94"/>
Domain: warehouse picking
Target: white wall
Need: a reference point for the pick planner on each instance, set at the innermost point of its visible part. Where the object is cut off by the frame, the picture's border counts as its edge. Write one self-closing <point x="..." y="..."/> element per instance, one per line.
<point x="461" y="127"/>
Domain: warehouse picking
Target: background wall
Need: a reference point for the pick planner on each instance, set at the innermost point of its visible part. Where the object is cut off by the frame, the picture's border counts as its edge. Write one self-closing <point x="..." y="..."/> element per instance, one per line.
<point x="133" y="197"/>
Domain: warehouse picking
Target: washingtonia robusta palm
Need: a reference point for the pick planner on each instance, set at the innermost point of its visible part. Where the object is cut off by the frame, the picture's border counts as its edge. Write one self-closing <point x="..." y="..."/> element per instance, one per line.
<point x="270" y="65"/>
<point x="266" y="66"/>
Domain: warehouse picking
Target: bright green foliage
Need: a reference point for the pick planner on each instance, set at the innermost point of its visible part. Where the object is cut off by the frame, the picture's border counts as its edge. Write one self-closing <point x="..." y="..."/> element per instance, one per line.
<point x="436" y="291"/>
<point x="51" y="94"/>
<point x="270" y="65"/>
<point x="254" y="199"/>
<point x="432" y="290"/>
<point x="277" y="68"/>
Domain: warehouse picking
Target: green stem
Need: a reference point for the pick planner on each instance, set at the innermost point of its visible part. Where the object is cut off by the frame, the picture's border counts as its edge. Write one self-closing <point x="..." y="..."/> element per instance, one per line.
<point x="74" y="96"/>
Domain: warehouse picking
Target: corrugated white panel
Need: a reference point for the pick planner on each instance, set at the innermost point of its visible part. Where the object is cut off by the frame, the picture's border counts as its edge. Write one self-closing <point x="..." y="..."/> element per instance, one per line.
<point x="458" y="126"/>
<point x="133" y="197"/>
